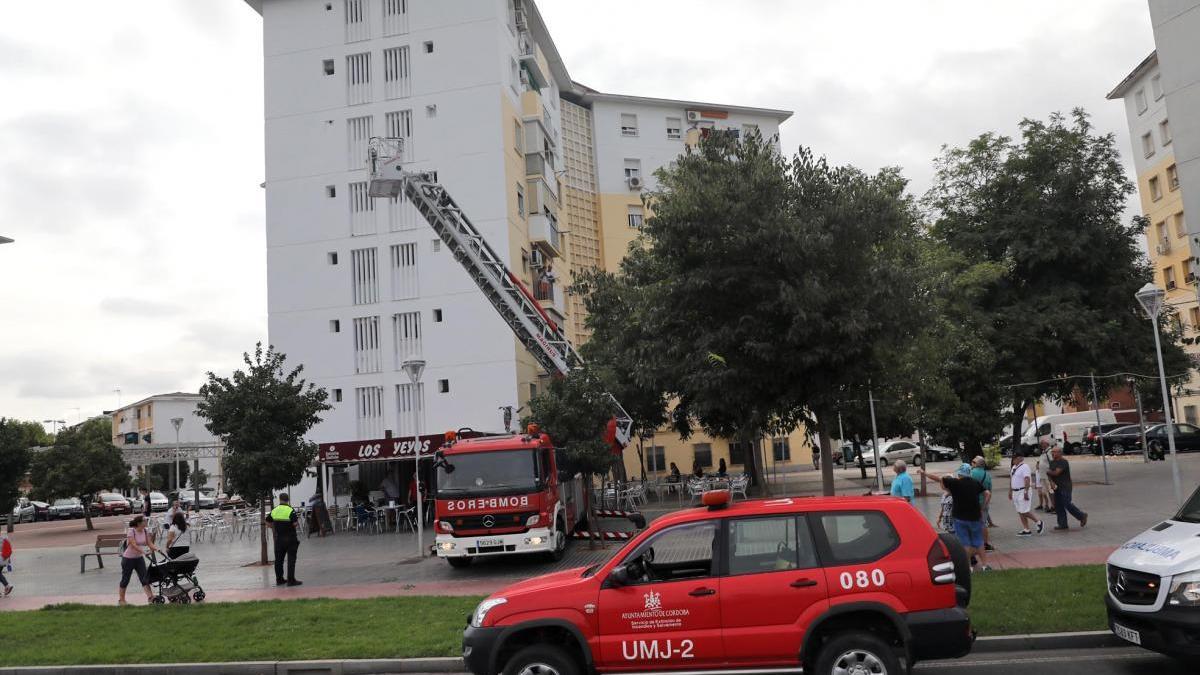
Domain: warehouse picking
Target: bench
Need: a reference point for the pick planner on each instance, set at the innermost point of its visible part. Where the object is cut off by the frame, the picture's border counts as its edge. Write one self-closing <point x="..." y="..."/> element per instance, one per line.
<point x="106" y="544"/>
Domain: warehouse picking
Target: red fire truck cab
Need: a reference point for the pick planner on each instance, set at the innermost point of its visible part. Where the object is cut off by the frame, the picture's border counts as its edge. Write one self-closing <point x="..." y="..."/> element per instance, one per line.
<point x="827" y="585"/>
<point x="504" y="495"/>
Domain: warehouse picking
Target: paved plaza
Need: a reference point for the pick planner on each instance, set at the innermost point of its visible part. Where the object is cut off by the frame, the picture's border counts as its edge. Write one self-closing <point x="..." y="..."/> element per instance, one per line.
<point x="349" y="565"/>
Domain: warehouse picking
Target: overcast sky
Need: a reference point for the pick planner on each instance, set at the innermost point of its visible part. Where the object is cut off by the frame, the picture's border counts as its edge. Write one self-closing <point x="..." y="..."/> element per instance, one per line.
<point x="131" y="144"/>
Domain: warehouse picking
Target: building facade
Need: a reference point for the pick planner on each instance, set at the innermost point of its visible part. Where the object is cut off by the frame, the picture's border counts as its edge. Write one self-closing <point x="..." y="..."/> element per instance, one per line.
<point x="551" y="172"/>
<point x="148" y="423"/>
<point x="1162" y="105"/>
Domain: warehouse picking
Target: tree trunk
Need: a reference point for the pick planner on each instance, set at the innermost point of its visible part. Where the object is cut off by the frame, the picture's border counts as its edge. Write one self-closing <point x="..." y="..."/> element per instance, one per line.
<point x="971" y="448"/>
<point x="641" y="457"/>
<point x="826" y="459"/>
<point x="262" y="530"/>
<point x="755" y="462"/>
<point x="1019" y="407"/>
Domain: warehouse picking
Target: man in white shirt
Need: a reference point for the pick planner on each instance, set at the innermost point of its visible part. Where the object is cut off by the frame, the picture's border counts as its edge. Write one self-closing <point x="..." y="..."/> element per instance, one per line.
<point x="1020" y="493"/>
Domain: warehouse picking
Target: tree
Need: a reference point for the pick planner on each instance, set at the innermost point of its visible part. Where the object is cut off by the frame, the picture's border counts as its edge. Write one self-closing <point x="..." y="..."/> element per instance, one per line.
<point x="759" y="289"/>
<point x="82" y="462"/>
<point x="262" y="414"/>
<point x="14" y="464"/>
<point x="198" y="479"/>
<point x="1046" y="211"/>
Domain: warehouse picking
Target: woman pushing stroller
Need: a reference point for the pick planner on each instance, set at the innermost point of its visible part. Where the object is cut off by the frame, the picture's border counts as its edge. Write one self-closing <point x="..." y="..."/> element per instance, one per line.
<point x="138" y="544"/>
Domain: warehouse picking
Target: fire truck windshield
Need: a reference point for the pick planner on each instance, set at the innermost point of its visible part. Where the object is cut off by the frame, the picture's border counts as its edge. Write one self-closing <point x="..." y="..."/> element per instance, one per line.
<point x="489" y="473"/>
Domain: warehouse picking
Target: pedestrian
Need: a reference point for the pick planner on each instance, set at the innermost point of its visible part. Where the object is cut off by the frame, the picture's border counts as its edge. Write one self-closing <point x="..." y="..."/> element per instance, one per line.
<point x="179" y="536"/>
<point x="980" y="473"/>
<point x="6" y="551"/>
<point x="722" y="470"/>
<point x="966" y="511"/>
<point x="1019" y="488"/>
<point x="283" y="518"/>
<point x="1041" y="481"/>
<point x="816" y="457"/>
<point x="1059" y="471"/>
<point x="674" y="476"/>
<point x="137" y="543"/>
<point x="902" y="486"/>
<point x="697" y="470"/>
<point x="145" y="503"/>
<point x="176" y="507"/>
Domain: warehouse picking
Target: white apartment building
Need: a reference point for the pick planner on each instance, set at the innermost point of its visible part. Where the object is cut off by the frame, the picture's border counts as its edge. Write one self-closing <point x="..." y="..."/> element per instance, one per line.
<point x="550" y="171"/>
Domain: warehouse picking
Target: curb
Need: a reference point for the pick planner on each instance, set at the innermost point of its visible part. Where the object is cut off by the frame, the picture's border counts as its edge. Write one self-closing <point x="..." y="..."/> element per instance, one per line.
<point x="327" y="667"/>
<point x="1043" y="641"/>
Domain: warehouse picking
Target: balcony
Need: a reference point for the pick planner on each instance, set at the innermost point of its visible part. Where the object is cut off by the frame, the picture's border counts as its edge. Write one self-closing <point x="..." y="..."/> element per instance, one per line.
<point x="527" y="52"/>
<point x="550" y="295"/>
<point x="543" y="233"/>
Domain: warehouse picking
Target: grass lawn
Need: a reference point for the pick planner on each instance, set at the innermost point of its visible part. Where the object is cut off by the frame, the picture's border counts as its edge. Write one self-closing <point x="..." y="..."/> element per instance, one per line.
<point x="1004" y="603"/>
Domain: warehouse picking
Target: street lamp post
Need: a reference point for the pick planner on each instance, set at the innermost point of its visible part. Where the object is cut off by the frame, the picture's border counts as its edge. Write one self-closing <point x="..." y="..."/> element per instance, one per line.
<point x="54" y="424"/>
<point x="875" y="439"/>
<point x="414" y="368"/>
<point x="1151" y="299"/>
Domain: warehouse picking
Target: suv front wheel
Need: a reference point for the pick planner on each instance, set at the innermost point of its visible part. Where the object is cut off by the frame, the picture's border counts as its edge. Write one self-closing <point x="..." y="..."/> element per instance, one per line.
<point x="541" y="660"/>
<point x="853" y="653"/>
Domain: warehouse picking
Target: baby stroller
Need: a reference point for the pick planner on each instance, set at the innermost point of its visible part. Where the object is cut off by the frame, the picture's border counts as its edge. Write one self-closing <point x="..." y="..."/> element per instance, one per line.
<point x="175" y="579"/>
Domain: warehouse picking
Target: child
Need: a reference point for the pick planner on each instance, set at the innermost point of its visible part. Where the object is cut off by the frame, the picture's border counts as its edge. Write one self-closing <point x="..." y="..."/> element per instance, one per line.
<point x="5" y="562"/>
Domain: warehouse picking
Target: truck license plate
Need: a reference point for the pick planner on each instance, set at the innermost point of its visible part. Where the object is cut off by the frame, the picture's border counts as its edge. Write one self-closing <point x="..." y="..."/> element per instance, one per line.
<point x="485" y="543"/>
<point x="1127" y="634"/>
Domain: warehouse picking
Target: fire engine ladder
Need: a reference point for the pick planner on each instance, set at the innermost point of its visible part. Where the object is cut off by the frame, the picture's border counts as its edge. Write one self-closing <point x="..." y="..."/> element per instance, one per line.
<point x="544" y="339"/>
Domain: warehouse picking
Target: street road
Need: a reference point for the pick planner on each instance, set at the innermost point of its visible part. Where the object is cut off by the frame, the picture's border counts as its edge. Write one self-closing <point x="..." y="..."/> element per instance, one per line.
<point x="1113" y="661"/>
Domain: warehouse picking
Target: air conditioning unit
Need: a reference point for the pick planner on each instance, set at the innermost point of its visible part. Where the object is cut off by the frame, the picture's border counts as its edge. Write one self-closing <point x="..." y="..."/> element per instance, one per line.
<point x="693" y="115"/>
<point x="537" y="259"/>
<point x="635" y="182"/>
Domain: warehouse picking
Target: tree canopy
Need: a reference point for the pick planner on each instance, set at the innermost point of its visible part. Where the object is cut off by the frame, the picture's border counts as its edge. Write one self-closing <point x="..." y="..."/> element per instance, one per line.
<point x="82" y="462"/>
<point x="14" y="461"/>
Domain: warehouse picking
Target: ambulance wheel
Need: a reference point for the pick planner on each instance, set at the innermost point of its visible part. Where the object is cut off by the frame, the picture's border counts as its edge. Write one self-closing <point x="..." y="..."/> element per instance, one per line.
<point x="560" y="542"/>
<point x="857" y="652"/>
<point x="541" y="660"/>
<point x="459" y="562"/>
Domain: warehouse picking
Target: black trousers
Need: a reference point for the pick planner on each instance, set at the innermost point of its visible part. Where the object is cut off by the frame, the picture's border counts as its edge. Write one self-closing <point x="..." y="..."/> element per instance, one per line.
<point x="286" y="548"/>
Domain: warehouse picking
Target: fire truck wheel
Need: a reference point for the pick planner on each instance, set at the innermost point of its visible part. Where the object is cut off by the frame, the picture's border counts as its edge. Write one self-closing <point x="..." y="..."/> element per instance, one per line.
<point x="459" y="562"/>
<point x="560" y="541"/>
<point x="857" y="652"/>
<point x="541" y="660"/>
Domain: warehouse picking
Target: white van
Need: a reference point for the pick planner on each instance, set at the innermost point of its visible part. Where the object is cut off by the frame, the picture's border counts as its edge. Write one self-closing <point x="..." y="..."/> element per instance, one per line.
<point x="1153" y="596"/>
<point x="1069" y="429"/>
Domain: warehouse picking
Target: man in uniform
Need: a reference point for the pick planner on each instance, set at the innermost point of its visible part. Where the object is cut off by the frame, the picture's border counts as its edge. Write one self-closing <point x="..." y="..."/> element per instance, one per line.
<point x="284" y="518"/>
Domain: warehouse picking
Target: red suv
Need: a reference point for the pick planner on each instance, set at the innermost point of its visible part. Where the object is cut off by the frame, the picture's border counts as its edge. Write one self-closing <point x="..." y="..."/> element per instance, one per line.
<point x="830" y="585"/>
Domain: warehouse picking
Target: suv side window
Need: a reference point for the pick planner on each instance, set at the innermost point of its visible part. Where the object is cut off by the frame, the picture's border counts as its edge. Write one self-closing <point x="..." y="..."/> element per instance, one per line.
<point x="770" y="545"/>
<point x="682" y="552"/>
<point x="857" y="536"/>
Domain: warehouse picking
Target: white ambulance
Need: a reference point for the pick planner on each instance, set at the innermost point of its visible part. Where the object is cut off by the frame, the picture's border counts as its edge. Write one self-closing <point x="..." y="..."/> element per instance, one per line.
<point x="1153" y="594"/>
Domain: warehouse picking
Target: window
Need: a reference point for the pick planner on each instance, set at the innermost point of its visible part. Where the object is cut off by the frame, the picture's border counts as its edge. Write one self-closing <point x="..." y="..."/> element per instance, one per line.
<point x="1147" y="144"/>
<point x="514" y="75"/>
<point x="781" y="449"/>
<point x="335" y="326"/>
<point x="431" y="110"/>
<point x="331" y="257"/>
<point x="858" y="537"/>
<point x="1169" y="277"/>
<point x="410" y="397"/>
<point x="674" y="128"/>
<point x="1155" y="189"/>
<point x="364" y="273"/>
<point x="330" y="191"/>
<point x="357" y="27"/>
<point x="1156" y="89"/>
<point x="436" y="245"/>
<point x="395" y="17"/>
<point x="1164" y="132"/>
<point x="367" y="357"/>
<point x="1194" y="315"/>
<point x="368" y="412"/>
<point x="656" y="458"/>
<point x="358" y="136"/>
<point x="1180" y="225"/>
<point x="362" y="210"/>
<point x="404" y="271"/>
<point x="518" y="137"/>
<point x="1172" y="178"/>
<point x="680" y="552"/>
<point x="635" y="216"/>
<point x="749" y="129"/>
<point x="739" y="451"/>
<point x="358" y="78"/>
<point x="1189" y="414"/>
<point x="437" y="316"/>
<point x="533" y="390"/>
<point x="406" y="336"/>
<point x="398" y="124"/>
<point x="521" y="199"/>
<point x="702" y="454"/>
<point x="327" y="66"/>
<point x="633" y="168"/>
<point x="629" y="125"/>
<point x="1139" y="98"/>
<point x="397" y="73"/>
<point x="443" y="386"/>
<point x="770" y="545"/>
<point x="428" y="46"/>
<point x="337" y="395"/>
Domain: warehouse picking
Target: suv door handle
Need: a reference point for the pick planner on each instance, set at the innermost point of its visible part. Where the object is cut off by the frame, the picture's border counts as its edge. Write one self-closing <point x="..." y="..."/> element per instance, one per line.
<point x="803" y="583"/>
<point x="699" y="592"/>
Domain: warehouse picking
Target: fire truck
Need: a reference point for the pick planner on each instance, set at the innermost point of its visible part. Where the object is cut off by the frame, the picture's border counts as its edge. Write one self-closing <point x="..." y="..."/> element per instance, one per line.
<point x="496" y="495"/>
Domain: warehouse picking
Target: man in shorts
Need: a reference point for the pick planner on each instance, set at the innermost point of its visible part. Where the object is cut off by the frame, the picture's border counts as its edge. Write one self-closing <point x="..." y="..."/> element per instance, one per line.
<point x="1020" y="489"/>
<point x="965" y="492"/>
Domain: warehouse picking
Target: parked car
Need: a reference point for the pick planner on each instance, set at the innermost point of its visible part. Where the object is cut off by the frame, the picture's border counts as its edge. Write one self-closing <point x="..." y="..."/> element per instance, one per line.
<point x="890" y="451"/>
<point x="1068" y="429"/>
<point x="940" y="453"/>
<point x="66" y="508"/>
<point x="188" y="497"/>
<point x="1091" y="440"/>
<point x="1187" y="439"/>
<point x="159" y="502"/>
<point x="228" y="502"/>
<point x="110" y="504"/>
<point x="1125" y="439"/>
<point x="30" y="510"/>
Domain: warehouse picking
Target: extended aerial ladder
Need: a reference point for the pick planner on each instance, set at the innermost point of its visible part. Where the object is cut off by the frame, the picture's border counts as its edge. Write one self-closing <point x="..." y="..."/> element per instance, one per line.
<point x="544" y="338"/>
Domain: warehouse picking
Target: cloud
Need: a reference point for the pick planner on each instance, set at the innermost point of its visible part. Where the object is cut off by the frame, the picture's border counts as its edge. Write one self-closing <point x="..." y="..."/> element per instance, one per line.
<point x="139" y="307"/>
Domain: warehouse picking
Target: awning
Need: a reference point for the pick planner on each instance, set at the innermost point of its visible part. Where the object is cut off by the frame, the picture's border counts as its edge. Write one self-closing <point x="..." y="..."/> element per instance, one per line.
<point x="380" y="450"/>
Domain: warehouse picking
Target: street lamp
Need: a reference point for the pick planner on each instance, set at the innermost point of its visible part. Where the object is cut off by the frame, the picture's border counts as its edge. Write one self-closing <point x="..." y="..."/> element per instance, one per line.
<point x="1151" y="299"/>
<point x="54" y="423"/>
<point x="414" y="368"/>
